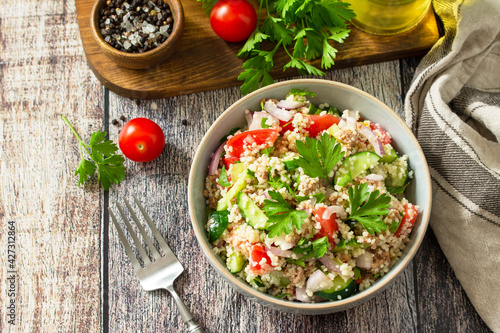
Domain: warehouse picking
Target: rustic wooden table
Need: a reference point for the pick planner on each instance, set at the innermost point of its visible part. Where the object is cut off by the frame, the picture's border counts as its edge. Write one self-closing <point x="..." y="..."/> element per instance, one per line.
<point x="70" y="273"/>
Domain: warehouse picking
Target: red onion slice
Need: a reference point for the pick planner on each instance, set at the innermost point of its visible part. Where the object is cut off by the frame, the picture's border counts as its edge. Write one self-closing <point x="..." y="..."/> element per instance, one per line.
<point x="257" y="120"/>
<point x="340" y="211"/>
<point x="318" y="281"/>
<point x="281" y="114"/>
<point x="290" y="105"/>
<point x="364" y="261"/>
<point x="300" y="295"/>
<point x="279" y="252"/>
<point x="214" y="163"/>
<point x="373" y="138"/>
<point x="249" y="116"/>
<point x="374" y="177"/>
<point x="330" y="264"/>
<point x="342" y="124"/>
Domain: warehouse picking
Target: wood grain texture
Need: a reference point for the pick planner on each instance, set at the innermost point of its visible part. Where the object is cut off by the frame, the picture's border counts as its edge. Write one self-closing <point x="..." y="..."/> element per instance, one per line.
<point x="203" y="61"/>
<point x="43" y="74"/>
<point x="62" y="230"/>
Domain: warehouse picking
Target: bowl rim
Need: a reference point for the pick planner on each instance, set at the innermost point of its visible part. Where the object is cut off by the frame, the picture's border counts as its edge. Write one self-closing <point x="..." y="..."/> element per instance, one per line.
<point x="354" y="299"/>
<point x="175" y="8"/>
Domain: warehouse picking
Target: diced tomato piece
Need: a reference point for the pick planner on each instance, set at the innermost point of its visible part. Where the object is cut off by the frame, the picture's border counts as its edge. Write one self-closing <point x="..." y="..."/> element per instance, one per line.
<point x="320" y="123"/>
<point x="329" y="226"/>
<point x="257" y="255"/>
<point x="411" y="213"/>
<point x="383" y="137"/>
<point x="228" y="161"/>
<point x="236" y="143"/>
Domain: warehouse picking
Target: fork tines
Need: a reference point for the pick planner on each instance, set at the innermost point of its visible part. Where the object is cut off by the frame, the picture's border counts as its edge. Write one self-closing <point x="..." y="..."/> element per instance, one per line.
<point x="159" y="238"/>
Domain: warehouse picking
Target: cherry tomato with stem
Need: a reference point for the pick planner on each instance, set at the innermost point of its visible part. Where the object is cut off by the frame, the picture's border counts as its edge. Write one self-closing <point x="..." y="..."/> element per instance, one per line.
<point x="141" y="140"/>
<point x="233" y="20"/>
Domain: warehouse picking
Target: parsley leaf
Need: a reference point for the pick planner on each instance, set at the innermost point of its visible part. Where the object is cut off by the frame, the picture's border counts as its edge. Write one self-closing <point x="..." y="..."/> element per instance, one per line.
<point x="301" y="92"/>
<point x="317" y="249"/>
<point x="282" y="216"/>
<point x="109" y="165"/>
<point x="223" y="178"/>
<point x="318" y="157"/>
<point x="267" y="151"/>
<point x="263" y="123"/>
<point x="208" y="5"/>
<point x="307" y="26"/>
<point x="368" y="207"/>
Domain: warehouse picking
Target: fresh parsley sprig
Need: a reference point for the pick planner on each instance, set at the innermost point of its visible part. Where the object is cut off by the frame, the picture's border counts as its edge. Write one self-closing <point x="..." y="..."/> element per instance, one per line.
<point x="318" y="157"/>
<point x="315" y="249"/>
<point x="368" y="207"/>
<point x="282" y="216"/>
<point x="303" y="29"/>
<point x="103" y="158"/>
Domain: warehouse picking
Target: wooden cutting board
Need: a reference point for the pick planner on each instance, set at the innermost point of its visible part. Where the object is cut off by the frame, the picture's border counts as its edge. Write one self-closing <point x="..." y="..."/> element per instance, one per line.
<point x="203" y="61"/>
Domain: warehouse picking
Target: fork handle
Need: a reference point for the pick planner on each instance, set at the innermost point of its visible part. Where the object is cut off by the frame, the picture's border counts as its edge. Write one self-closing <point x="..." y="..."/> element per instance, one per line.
<point x="185" y="314"/>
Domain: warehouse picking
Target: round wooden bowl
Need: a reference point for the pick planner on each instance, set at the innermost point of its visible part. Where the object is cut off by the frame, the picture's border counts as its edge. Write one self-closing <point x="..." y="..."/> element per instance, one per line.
<point x="146" y="59"/>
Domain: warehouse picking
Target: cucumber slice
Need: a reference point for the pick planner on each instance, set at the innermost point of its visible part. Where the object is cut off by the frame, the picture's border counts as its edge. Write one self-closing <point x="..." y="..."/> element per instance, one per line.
<point x="252" y="214"/>
<point x="236" y="262"/>
<point x="356" y="164"/>
<point x="399" y="176"/>
<point x="341" y="289"/>
<point x="240" y="184"/>
<point x="235" y="171"/>
<point x="390" y="154"/>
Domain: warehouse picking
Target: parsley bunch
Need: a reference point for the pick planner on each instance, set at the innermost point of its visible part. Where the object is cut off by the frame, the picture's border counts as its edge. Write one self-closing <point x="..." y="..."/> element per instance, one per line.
<point x="302" y="28"/>
<point x="103" y="158"/>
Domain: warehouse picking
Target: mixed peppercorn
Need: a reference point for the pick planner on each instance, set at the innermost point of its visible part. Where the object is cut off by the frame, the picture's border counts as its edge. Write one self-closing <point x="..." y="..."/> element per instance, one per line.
<point x="136" y="26"/>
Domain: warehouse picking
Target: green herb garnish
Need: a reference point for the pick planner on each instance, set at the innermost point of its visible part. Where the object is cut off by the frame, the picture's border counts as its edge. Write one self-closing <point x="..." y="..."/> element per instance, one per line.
<point x="318" y="157"/>
<point x="304" y="30"/>
<point x="282" y="216"/>
<point x="301" y="92"/>
<point x="223" y="178"/>
<point x="267" y="151"/>
<point x="317" y="249"/>
<point x="368" y="207"/>
<point x="263" y="123"/>
<point x="103" y="158"/>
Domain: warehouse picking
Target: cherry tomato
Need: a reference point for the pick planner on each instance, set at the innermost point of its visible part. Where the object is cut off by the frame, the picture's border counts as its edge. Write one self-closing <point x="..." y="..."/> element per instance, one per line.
<point x="141" y="140"/>
<point x="320" y="123"/>
<point x="236" y="143"/>
<point x="329" y="226"/>
<point x="257" y="266"/>
<point x="384" y="137"/>
<point x="411" y="213"/>
<point x="233" y="20"/>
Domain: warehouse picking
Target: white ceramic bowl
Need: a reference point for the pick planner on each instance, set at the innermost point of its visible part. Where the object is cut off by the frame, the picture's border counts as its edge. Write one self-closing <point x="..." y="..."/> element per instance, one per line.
<point x="342" y="97"/>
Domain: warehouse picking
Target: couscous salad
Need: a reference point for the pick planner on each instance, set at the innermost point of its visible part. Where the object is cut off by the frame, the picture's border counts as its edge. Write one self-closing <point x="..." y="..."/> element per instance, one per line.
<point x="307" y="203"/>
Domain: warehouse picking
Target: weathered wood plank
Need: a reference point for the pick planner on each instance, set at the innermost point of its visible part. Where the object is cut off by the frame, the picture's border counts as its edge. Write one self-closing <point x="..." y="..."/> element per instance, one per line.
<point x="163" y="185"/>
<point x="43" y="74"/>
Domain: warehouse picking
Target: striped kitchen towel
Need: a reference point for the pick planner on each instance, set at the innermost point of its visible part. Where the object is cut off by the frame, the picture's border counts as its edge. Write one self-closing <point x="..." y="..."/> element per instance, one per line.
<point x="453" y="106"/>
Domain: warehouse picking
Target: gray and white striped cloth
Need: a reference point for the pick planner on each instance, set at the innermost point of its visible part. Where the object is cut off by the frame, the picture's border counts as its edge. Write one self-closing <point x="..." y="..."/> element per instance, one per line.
<point x="453" y="106"/>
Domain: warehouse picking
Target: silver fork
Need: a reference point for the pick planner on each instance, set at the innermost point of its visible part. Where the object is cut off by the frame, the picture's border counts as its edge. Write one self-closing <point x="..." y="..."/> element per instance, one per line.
<point x="162" y="272"/>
